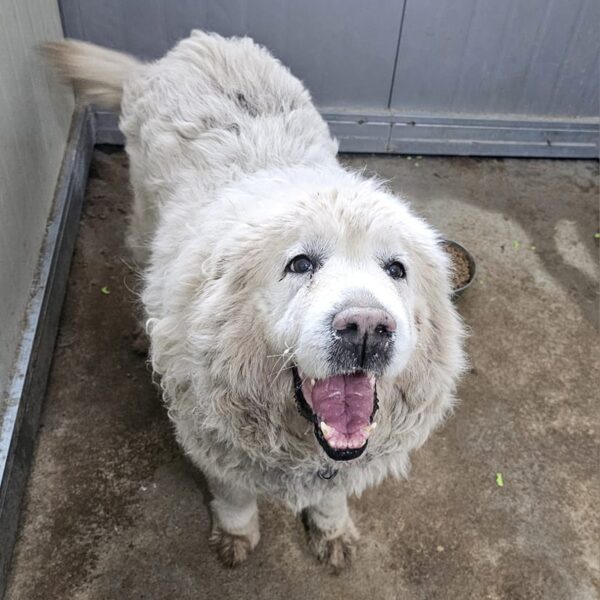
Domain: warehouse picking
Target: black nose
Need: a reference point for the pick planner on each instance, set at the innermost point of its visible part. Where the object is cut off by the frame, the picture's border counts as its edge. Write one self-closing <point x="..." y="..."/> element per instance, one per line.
<point x="363" y="338"/>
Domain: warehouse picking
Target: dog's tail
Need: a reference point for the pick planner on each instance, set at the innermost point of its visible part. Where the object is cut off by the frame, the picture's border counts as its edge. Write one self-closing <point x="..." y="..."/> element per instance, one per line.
<point x="97" y="74"/>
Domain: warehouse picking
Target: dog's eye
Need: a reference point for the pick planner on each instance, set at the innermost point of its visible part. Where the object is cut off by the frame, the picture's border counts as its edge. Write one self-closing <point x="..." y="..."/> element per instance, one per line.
<point x="396" y="270"/>
<point x="301" y="264"/>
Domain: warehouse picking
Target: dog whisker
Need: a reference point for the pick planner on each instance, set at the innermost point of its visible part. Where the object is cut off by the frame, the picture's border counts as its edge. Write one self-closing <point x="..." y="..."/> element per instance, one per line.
<point x="287" y="356"/>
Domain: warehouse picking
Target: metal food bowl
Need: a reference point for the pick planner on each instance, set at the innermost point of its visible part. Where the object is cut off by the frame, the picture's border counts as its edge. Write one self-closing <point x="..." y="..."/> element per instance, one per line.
<point x="456" y="292"/>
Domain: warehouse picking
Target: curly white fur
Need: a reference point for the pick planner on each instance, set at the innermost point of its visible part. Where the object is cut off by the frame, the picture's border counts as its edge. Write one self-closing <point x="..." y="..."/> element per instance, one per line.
<point x="234" y="171"/>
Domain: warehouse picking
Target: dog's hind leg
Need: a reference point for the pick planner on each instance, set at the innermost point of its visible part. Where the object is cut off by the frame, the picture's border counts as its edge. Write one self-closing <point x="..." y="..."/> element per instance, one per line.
<point x="235" y="531"/>
<point x="332" y="535"/>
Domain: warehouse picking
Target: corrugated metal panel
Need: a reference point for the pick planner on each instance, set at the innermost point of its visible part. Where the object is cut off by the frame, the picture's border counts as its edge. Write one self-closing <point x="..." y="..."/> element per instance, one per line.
<point x="538" y="57"/>
<point x="344" y="50"/>
<point x="36" y="113"/>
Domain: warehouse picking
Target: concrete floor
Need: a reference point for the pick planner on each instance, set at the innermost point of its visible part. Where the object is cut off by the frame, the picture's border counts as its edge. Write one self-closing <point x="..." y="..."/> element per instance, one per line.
<point x="113" y="510"/>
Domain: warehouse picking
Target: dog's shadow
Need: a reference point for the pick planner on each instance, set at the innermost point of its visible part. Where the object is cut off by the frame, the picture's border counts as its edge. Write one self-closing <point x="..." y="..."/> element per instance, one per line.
<point x="200" y="482"/>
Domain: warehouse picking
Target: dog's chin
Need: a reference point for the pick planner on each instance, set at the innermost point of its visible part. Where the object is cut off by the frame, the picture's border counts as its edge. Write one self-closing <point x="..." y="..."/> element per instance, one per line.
<point x="341" y="408"/>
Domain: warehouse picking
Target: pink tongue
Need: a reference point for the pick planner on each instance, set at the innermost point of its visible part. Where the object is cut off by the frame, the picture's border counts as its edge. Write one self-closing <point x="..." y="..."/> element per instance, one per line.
<point x="344" y="401"/>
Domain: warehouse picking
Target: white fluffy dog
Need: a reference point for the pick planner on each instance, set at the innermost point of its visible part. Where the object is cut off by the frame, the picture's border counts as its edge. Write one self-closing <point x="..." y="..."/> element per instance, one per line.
<point x="291" y="305"/>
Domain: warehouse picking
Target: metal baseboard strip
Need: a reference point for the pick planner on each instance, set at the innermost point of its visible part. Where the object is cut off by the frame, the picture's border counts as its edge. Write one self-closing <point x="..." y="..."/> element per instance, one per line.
<point x="106" y="126"/>
<point x="467" y="135"/>
<point x="394" y="133"/>
<point x="20" y="417"/>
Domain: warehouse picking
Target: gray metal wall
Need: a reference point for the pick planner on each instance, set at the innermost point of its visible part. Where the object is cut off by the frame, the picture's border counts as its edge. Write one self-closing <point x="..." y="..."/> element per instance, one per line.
<point x="517" y="77"/>
<point x="35" y="114"/>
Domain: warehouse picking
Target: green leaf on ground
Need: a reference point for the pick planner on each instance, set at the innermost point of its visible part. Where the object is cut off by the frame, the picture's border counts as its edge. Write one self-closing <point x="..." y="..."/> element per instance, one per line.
<point x="499" y="480"/>
<point x="105" y="290"/>
<point x="516" y="244"/>
<point x="597" y="235"/>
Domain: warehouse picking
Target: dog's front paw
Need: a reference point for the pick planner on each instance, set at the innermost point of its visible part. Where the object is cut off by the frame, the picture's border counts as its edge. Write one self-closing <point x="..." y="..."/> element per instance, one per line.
<point x="336" y="551"/>
<point x="232" y="549"/>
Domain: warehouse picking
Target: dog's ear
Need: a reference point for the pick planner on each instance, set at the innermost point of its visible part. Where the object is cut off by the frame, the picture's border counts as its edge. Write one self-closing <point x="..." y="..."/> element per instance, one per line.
<point x="439" y="356"/>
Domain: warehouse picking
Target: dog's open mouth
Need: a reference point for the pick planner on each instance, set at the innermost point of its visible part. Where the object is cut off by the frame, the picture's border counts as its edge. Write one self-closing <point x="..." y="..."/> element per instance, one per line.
<point x="341" y="408"/>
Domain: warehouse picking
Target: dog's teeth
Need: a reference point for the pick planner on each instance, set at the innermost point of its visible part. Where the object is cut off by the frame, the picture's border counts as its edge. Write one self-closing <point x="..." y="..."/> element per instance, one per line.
<point x="369" y="429"/>
<point x="326" y="429"/>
